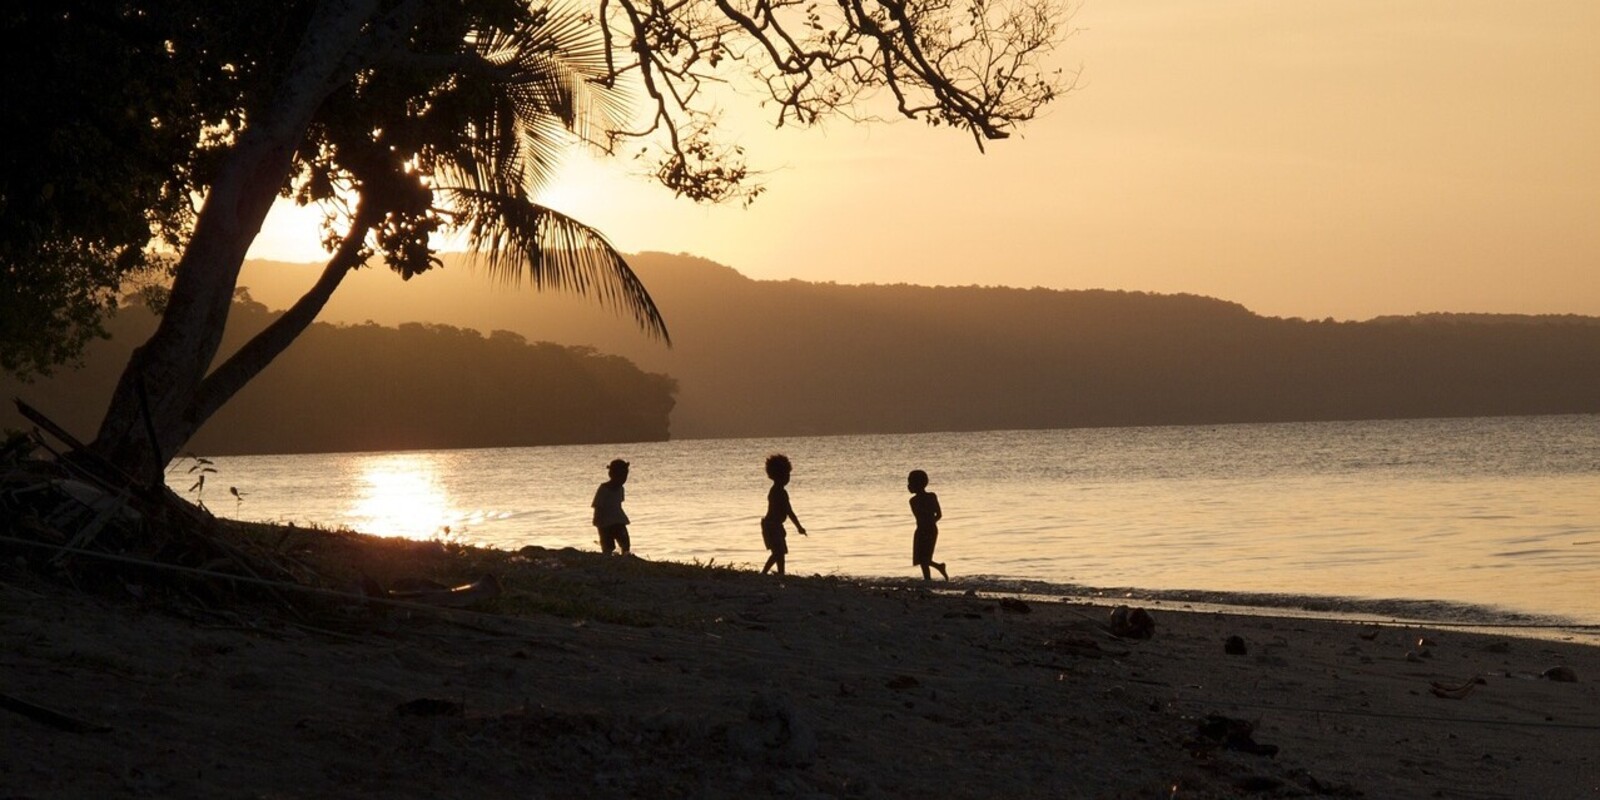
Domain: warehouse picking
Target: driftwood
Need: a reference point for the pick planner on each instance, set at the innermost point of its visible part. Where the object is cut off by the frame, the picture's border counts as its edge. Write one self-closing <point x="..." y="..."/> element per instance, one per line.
<point x="430" y="593"/>
<point x="1083" y="647"/>
<point x="51" y="717"/>
<point x="1130" y="623"/>
<point x="1456" y="691"/>
<point x="77" y="504"/>
<point x="73" y="517"/>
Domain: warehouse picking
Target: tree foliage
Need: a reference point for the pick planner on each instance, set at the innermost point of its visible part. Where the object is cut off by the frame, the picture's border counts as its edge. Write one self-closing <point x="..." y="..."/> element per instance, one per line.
<point x="108" y="114"/>
<point x="404" y="118"/>
<point x="976" y="65"/>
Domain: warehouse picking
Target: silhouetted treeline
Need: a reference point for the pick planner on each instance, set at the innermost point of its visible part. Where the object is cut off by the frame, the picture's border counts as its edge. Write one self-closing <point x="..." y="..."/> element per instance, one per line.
<point x="368" y="387"/>
<point x="757" y="358"/>
<point x="792" y="357"/>
<point x="1502" y="319"/>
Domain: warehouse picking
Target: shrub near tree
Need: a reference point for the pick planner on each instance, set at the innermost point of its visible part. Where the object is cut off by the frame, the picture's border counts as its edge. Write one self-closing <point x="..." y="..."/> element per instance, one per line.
<point x="109" y="120"/>
<point x="408" y="118"/>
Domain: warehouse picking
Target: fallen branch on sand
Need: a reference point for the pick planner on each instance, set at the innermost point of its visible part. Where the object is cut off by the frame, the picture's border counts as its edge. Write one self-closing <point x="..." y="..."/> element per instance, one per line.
<point x="51" y="717"/>
<point x="1456" y="691"/>
<point x="432" y="593"/>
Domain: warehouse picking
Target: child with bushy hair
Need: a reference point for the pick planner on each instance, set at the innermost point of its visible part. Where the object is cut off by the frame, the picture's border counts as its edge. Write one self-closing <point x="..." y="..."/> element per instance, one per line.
<point x="773" y="534"/>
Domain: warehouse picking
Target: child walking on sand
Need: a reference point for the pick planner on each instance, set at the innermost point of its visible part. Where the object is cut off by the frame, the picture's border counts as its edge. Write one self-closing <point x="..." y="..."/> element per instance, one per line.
<point x="778" y="510"/>
<point x="925" y="507"/>
<point x="609" y="517"/>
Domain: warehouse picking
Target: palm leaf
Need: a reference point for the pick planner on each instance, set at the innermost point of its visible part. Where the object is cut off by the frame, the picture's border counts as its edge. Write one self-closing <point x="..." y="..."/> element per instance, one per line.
<point x="543" y="89"/>
<point x="516" y="239"/>
<point x="546" y="76"/>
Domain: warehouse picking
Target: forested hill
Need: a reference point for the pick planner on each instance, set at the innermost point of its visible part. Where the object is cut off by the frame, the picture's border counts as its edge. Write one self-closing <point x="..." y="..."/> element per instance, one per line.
<point x="369" y="387"/>
<point x="778" y="358"/>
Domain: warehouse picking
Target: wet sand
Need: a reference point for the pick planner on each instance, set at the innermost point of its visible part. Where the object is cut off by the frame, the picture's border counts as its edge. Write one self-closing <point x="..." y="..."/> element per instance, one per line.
<point x="616" y="677"/>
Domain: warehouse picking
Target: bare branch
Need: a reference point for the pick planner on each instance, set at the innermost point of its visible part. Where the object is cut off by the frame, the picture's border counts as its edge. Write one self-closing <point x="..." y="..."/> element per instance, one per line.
<point x="978" y="65"/>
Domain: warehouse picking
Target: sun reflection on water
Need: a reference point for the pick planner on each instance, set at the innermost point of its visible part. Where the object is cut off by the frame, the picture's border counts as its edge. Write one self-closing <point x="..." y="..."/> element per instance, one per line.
<point x="401" y="495"/>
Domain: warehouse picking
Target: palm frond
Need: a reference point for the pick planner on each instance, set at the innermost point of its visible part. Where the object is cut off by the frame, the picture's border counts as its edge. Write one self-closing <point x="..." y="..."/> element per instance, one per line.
<point x="516" y="239"/>
<point x="548" y="84"/>
<point x="534" y="87"/>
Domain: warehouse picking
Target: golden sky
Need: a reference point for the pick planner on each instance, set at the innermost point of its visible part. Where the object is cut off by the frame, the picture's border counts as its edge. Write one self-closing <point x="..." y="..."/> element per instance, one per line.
<point x="1305" y="159"/>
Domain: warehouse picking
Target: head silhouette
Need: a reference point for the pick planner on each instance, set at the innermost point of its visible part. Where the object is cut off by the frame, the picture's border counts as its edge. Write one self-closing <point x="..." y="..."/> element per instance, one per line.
<point x="778" y="467"/>
<point x="618" y="470"/>
<point x="917" y="480"/>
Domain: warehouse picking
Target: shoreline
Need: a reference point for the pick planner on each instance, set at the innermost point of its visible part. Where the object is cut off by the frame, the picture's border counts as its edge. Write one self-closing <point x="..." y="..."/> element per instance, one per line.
<point x="1386" y="612"/>
<point x="1455" y="614"/>
<point x="1443" y="614"/>
<point x="619" y="677"/>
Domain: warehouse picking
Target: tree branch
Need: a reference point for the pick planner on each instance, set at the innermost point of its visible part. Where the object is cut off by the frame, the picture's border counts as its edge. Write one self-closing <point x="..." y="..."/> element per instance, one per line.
<point x="240" y="368"/>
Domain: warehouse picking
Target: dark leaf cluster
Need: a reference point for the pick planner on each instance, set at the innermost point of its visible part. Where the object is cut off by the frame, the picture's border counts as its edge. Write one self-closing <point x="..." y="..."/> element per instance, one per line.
<point x="122" y="105"/>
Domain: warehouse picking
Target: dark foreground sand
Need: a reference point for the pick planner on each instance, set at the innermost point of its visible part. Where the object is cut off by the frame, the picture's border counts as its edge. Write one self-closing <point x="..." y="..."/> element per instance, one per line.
<point x="596" y="677"/>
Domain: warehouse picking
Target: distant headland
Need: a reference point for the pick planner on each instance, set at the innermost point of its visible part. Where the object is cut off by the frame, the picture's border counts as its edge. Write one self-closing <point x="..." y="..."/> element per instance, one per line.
<point x="779" y="358"/>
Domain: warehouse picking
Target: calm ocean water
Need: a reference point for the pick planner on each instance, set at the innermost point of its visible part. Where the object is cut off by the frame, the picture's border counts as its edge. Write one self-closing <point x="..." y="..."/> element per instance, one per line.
<point x="1488" y="520"/>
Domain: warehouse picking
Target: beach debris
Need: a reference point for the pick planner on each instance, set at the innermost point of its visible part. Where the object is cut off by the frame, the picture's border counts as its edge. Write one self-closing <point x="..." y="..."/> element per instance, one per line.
<point x="1256" y="784"/>
<point x="433" y="593"/>
<point x="72" y="515"/>
<point x="1079" y="646"/>
<point x="1561" y="674"/>
<point x="1131" y="623"/>
<point x="902" y="682"/>
<point x="1421" y="651"/>
<point x="775" y="731"/>
<point x="1321" y="787"/>
<point x="1230" y="733"/>
<point x="1370" y="633"/>
<point x="50" y="716"/>
<point x="1014" y="606"/>
<point x="430" y="707"/>
<point x="1235" y="646"/>
<point x="1456" y="691"/>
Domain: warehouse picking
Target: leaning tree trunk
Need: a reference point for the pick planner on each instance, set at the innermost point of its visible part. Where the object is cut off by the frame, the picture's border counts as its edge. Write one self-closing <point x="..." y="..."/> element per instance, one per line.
<point x="153" y="410"/>
<point x="243" y="366"/>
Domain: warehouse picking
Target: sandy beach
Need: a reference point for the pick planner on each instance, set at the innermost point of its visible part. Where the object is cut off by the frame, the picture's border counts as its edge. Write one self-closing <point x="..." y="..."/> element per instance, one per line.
<point x="590" y="676"/>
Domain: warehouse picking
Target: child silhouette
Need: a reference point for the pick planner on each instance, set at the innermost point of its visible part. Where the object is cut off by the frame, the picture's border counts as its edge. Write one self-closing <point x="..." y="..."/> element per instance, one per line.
<point x="778" y="510"/>
<point x="925" y="507"/>
<point x="609" y="517"/>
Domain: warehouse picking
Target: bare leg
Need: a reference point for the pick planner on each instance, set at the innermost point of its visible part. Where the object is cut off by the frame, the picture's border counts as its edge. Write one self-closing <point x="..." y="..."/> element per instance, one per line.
<point x="925" y="575"/>
<point x="773" y="559"/>
<point x="938" y="565"/>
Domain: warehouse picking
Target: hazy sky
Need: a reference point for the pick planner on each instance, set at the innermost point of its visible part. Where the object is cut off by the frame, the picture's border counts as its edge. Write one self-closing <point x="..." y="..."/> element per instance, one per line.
<point x="1305" y="159"/>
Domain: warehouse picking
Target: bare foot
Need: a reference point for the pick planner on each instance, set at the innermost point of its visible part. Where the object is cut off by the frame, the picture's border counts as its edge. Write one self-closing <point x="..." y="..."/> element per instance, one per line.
<point x="942" y="573"/>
